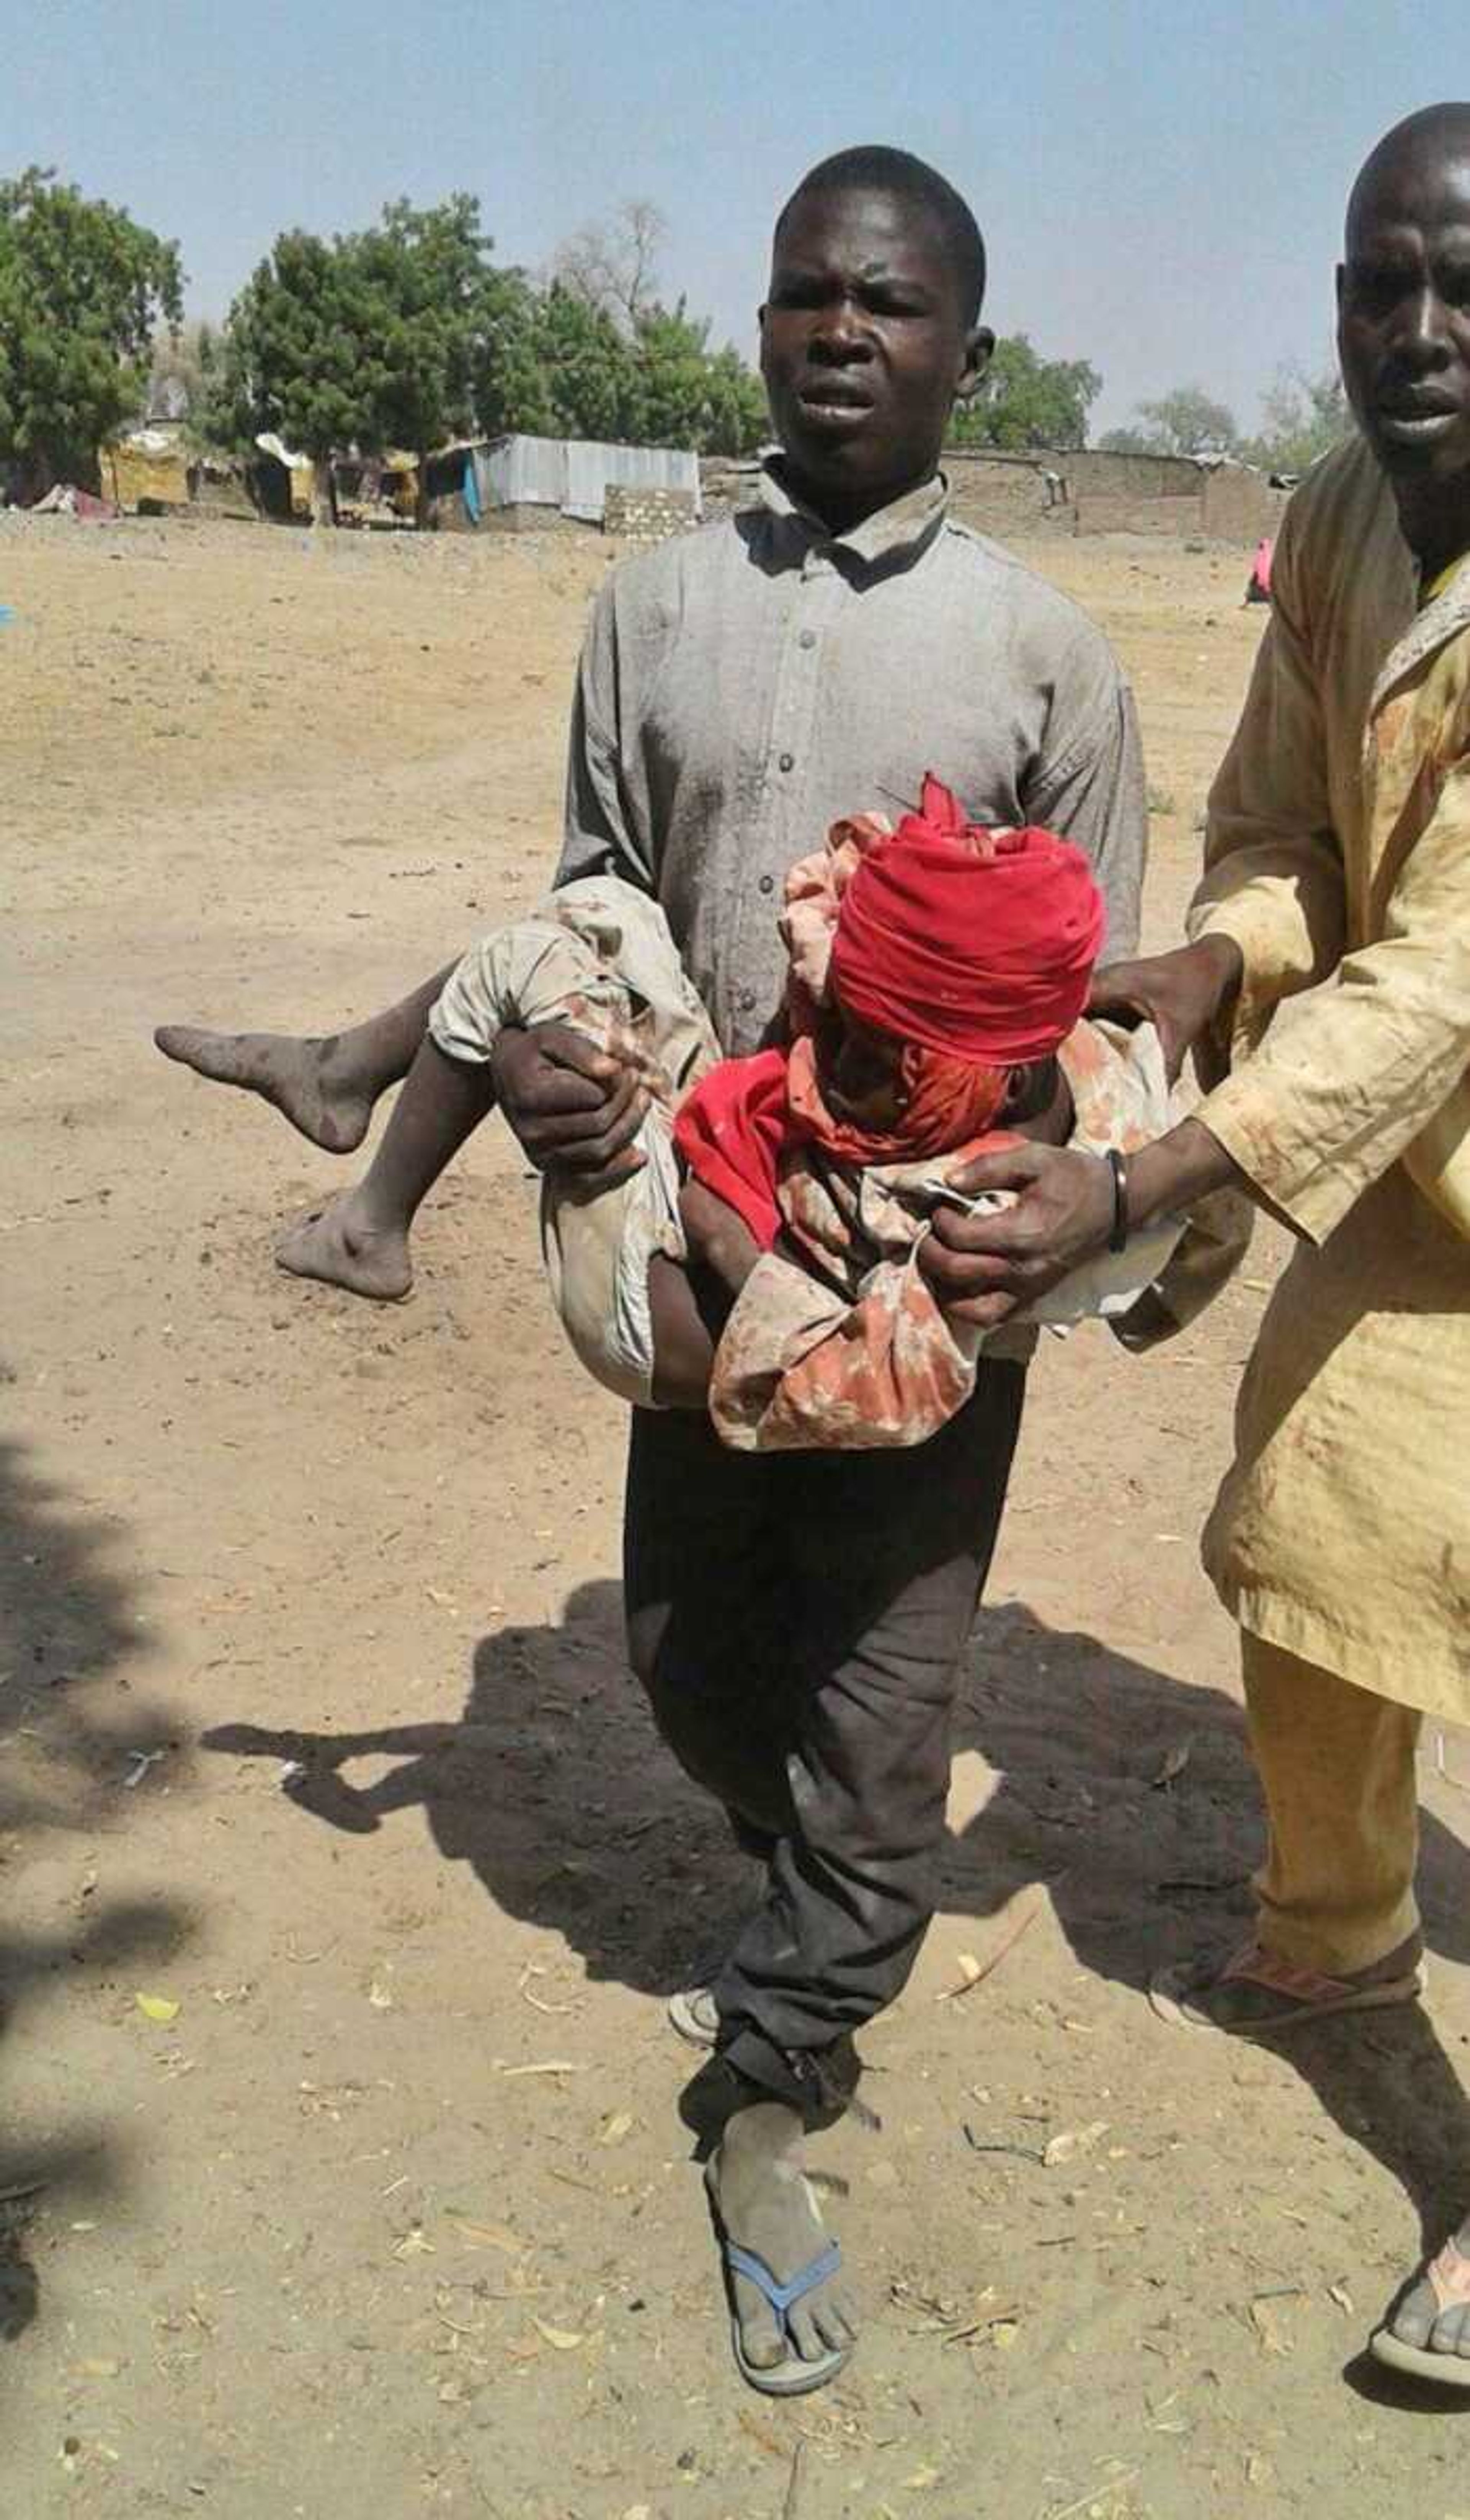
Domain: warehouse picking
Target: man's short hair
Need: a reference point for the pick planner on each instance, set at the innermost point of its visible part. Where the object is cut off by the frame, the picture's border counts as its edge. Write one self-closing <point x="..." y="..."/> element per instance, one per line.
<point x="906" y="178"/>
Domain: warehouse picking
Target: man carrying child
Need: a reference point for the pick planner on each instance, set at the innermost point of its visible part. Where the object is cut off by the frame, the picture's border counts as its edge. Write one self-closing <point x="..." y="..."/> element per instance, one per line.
<point x="796" y="1618"/>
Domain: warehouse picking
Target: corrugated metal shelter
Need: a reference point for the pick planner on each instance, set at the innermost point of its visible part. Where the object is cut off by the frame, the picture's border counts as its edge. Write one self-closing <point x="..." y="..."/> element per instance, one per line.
<point x="574" y="475"/>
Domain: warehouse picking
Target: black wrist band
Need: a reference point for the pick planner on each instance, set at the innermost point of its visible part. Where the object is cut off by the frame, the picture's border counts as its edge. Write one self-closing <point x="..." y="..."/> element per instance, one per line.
<point x="1118" y="1238"/>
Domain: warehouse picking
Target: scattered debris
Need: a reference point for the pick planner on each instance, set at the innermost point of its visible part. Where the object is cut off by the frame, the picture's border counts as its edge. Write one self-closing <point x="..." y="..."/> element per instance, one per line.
<point x="1173" y="1763"/>
<point x="141" y="1762"/>
<point x="534" y="1968"/>
<point x="1266" y="2316"/>
<point x="1073" y="2143"/>
<point x="565" y="2339"/>
<point x="973" y="1972"/>
<point x="489" y="2235"/>
<point x="1022" y="2152"/>
<point x="157" y="2008"/>
<point x="792" y="2504"/>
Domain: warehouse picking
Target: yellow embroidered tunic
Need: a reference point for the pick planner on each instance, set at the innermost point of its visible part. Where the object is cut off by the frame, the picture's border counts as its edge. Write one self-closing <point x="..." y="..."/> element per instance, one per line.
<point x="1338" y="857"/>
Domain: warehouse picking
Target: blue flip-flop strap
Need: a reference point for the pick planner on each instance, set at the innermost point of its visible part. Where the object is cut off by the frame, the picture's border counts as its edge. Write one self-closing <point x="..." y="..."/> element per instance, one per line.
<point x="783" y="2297"/>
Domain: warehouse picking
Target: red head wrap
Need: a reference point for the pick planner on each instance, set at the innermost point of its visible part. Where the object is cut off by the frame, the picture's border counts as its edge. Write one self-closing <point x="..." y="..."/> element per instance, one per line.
<point x="976" y="943"/>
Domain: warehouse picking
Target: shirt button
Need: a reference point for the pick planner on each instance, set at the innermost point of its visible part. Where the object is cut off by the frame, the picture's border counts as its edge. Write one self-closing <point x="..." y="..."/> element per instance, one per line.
<point x="808" y="639"/>
<point x="747" y="1001"/>
<point x="767" y="883"/>
<point x="788" y="761"/>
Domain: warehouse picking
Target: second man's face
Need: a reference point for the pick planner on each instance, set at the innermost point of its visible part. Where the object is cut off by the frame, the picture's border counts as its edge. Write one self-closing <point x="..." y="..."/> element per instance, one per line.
<point x="864" y="347"/>
<point x="1403" y="318"/>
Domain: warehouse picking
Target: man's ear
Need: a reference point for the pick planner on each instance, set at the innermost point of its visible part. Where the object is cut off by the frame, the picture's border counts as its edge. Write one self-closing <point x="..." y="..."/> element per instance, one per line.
<point x="979" y="346"/>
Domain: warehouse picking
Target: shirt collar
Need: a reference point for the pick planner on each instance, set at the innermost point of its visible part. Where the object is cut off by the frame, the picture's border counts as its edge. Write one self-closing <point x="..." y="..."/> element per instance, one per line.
<point x="896" y="530"/>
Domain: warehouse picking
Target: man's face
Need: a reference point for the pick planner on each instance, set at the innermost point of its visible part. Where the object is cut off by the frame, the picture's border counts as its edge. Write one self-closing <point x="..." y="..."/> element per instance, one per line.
<point x="1404" y="313"/>
<point x="864" y="347"/>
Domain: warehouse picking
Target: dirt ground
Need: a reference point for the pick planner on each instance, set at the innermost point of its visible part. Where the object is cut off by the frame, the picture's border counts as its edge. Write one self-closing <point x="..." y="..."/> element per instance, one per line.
<point x="379" y="2203"/>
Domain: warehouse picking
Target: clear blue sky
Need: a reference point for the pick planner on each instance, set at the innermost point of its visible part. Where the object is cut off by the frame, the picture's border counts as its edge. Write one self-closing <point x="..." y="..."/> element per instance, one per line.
<point x="1160" y="185"/>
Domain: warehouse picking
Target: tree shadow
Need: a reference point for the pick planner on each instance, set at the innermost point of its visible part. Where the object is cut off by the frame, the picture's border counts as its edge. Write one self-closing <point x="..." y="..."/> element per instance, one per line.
<point x="70" y="1729"/>
<point x="555" y="1789"/>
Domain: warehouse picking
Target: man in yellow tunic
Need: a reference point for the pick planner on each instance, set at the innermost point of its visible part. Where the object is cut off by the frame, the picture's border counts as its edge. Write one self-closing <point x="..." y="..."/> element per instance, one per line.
<point x="1331" y="950"/>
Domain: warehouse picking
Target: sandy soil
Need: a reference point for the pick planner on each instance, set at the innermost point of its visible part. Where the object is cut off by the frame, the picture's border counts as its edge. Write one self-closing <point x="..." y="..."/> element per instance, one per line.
<point x="391" y="2213"/>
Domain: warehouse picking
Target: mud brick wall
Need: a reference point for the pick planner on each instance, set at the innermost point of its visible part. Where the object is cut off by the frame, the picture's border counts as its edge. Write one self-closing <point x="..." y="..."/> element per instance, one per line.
<point x="647" y="515"/>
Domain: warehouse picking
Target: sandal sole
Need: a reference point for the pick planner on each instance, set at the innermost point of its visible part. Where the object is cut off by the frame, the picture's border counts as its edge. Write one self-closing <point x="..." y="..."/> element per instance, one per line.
<point x="1440" y="2370"/>
<point x="1168" y="1999"/>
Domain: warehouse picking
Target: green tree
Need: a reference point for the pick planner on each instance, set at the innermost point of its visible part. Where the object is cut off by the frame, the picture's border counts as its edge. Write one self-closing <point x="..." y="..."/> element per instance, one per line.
<point x="298" y="361"/>
<point x="1127" y="441"/>
<point x="688" y="396"/>
<point x="426" y="279"/>
<point x="557" y="367"/>
<point x="82" y="290"/>
<point x="1026" y="400"/>
<point x="556" y="364"/>
<point x="1301" y="418"/>
<point x="382" y="339"/>
<point x="1187" y="421"/>
<point x="671" y="389"/>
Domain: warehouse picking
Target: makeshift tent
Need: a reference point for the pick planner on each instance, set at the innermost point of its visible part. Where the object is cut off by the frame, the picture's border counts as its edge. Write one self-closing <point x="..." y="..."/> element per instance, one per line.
<point x="574" y="475"/>
<point x="149" y="469"/>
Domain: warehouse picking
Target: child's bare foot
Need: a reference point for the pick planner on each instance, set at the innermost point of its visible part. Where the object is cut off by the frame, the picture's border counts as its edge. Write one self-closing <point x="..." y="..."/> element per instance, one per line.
<point x="345" y="1245"/>
<point x="302" y="1078"/>
<point x="794" y="2325"/>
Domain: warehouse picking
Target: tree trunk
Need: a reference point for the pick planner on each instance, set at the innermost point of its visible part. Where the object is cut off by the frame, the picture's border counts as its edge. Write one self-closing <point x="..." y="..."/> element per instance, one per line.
<point x="323" y="494"/>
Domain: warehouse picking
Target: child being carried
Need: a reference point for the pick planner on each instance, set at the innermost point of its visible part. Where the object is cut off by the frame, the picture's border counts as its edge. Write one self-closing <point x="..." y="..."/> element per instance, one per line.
<point x="762" y="1259"/>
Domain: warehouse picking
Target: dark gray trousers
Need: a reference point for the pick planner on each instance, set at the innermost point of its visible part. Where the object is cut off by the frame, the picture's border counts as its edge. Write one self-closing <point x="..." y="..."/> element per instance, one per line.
<point x="797" y="1620"/>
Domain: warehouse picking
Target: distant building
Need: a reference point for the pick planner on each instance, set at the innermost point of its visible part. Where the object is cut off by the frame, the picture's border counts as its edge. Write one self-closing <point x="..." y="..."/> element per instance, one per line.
<point x="518" y="483"/>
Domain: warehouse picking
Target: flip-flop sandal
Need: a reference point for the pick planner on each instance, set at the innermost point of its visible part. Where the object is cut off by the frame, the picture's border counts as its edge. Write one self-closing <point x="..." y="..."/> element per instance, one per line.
<point x="694" y="2014"/>
<point x="795" y="2378"/>
<point x="1306" y="1995"/>
<point x="1448" y="2279"/>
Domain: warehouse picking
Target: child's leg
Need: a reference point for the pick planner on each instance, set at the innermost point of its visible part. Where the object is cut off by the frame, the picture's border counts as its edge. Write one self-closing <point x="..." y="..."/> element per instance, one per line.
<point x="551" y="967"/>
<point x="359" y="1240"/>
<point x="325" y="1084"/>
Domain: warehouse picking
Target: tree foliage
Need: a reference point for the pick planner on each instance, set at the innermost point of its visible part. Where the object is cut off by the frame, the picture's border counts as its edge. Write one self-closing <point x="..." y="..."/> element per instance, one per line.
<point x="1026" y="400"/>
<point x="1301" y="418"/>
<point x="371" y="340"/>
<point x="409" y="334"/>
<point x="1185" y="421"/>
<point x="82" y="290"/>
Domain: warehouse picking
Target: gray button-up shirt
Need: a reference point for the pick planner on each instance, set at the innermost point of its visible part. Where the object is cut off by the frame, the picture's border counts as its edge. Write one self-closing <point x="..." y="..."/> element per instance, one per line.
<point x="744" y="686"/>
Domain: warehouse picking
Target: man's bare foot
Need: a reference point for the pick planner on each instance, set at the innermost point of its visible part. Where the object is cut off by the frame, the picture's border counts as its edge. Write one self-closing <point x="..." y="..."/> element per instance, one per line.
<point x="765" y="2206"/>
<point x="345" y="1244"/>
<point x="1429" y="2333"/>
<point x="302" y="1079"/>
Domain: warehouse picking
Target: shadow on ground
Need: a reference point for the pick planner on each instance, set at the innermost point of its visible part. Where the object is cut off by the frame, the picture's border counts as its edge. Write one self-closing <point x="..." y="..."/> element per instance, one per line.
<point x="69" y="1729"/>
<point x="555" y="1789"/>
